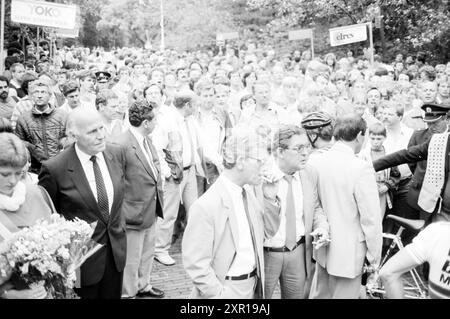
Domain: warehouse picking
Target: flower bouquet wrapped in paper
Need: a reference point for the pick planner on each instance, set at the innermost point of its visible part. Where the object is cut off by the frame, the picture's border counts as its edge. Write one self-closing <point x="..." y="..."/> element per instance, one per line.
<point x="48" y="253"/>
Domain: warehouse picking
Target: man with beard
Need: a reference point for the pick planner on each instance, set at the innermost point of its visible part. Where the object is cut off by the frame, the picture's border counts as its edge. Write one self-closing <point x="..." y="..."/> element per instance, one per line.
<point x="7" y="103"/>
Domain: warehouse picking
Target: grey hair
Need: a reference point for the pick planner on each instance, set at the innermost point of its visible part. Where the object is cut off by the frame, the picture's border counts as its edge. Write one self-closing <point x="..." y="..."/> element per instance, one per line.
<point x="243" y="143"/>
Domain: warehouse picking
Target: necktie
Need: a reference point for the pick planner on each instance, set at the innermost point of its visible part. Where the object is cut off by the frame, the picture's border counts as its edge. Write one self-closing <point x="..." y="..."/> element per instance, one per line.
<point x="291" y="235"/>
<point x="102" y="196"/>
<point x="150" y="157"/>
<point x="258" y="289"/>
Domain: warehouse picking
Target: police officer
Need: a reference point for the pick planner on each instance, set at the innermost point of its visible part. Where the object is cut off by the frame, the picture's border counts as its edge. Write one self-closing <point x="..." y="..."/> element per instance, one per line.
<point x="436" y="118"/>
<point x="102" y="78"/>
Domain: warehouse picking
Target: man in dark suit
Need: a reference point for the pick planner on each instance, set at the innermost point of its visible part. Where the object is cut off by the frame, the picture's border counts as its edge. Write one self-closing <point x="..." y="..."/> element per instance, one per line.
<point x="142" y="200"/>
<point x="86" y="181"/>
<point x="433" y="194"/>
<point x="437" y="122"/>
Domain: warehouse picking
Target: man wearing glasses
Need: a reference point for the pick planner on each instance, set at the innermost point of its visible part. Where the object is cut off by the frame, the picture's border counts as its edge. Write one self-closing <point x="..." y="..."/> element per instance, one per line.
<point x="288" y="254"/>
<point x="222" y="245"/>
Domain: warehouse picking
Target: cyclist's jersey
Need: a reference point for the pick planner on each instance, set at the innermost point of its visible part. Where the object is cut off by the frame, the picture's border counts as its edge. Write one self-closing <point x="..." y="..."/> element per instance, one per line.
<point x="432" y="245"/>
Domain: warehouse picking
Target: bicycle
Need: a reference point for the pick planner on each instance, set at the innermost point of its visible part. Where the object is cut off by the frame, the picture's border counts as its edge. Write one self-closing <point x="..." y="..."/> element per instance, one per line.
<point x="415" y="289"/>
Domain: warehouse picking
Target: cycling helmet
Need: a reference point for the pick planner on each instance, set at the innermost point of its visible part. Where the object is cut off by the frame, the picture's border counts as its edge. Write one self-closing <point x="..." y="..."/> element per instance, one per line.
<point x="316" y="120"/>
<point x="313" y="124"/>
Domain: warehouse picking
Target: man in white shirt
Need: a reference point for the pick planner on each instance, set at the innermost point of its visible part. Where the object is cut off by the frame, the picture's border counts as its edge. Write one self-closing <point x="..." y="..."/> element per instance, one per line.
<point x="108" y="104"/>
<point x="142" y="201"/>
<point x="178" y="141"/>
<point x="214" y="124"/>
<point x="86" y="181"/>
<point x="398" y="136"/>
<point x="288" y="254"/>
<point x="222" y="245"/>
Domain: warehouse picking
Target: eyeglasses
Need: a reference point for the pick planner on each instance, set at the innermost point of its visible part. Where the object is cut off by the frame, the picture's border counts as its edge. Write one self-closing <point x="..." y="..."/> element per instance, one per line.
<point x="302" y="148"/>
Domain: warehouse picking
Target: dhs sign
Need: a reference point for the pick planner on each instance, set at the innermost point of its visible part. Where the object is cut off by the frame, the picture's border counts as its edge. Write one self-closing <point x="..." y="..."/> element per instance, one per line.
<point x="348" y="34"/>
<point x="46" y="14"/>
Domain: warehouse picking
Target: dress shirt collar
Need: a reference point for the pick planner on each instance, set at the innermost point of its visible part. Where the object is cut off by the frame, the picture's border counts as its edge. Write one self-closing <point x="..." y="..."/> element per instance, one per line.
<point x="139" y="137"/>
<point x="232" y="187"/>
<point x="86" y="158"/>
<point x="279" y="174"/>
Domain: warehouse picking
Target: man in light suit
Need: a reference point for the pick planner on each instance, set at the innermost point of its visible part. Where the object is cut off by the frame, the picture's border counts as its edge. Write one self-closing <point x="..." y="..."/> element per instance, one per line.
<point x="142" y="200"/>
<point x="349" y="197"/>
<point x="222" y="246"/>
<point x="86" y="181"/>
<point x="288" y="254"/>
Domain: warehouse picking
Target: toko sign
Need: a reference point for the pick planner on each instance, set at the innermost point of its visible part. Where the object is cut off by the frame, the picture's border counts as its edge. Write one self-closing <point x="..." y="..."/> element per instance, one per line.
<point x="46" y="14"/>
<point x="348" y="34"/>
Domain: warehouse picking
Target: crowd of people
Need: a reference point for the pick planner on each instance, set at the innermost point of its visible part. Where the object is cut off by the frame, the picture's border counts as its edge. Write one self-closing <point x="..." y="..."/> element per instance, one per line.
<point x="271" y="169"/>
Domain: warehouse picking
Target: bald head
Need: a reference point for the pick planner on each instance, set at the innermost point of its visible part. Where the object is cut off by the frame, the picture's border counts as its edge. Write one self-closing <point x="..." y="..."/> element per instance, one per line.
<point x="86" y="127"/>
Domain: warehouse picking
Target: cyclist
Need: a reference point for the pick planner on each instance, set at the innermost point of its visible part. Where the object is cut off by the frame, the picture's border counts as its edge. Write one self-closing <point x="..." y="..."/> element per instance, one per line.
<point x="432" y="245"/>
<point x="319" y="127"/>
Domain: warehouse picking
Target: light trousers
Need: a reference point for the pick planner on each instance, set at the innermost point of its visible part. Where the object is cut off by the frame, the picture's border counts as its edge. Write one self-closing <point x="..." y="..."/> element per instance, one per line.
<point x="289" y="269"/>
<point x="173" y="194"/>
<point x="326" y="286"/>
<point x="140" y="256"/>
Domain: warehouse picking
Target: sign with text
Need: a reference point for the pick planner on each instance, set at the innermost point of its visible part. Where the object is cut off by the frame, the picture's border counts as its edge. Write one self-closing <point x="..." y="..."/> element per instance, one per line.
<point x="46" y="14"/>
<point x="300" y="34"/>
<point x="67" y="33"/>
<point x="348" y="34"/>
<point x="227" y="35"/>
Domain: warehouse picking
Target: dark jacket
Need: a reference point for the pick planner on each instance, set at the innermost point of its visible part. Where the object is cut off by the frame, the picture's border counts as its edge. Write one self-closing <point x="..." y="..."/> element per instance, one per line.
<point x="42" y="133"/>
<point x="65" y="181"/>
<point x="413" y="154"/>
<point x="418" y="169"/>
<point x="143" y="198"/>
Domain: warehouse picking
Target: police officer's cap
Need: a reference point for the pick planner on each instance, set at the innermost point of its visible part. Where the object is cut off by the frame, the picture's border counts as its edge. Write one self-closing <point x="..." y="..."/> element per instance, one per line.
<point x="434" y="111"/>
<point x="102" y="76"/>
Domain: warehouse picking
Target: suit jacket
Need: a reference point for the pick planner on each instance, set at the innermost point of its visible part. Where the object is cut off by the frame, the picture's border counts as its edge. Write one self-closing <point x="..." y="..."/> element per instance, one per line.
<point x="210" y="239"/>
<point x="143" y="196"/>
<point x="349" y="196"/>
<point x="313" y="218"/>
<point x="413" y="154"/>
<point x="65" y="181"/>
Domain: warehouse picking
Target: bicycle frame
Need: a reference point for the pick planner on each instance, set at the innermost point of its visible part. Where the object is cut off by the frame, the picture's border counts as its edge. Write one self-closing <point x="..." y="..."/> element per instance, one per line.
<point x="418" y="290"/>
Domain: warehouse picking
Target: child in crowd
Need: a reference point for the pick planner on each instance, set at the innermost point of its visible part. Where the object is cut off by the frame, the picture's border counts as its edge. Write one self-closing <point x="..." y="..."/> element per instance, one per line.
<point x="387" y="180"/>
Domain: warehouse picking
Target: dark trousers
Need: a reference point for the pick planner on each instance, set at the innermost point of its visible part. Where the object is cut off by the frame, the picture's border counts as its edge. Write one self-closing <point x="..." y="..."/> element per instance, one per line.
<point x="401" y="208"/>
<point x="109" y="287"/>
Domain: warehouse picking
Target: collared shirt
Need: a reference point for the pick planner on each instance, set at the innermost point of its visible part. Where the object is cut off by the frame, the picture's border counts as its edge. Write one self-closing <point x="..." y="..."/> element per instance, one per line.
<point x="398" y="143"/>
<point x="148" y="156"/>
<point x="244" y="262"/>
<point x="171" y="133"/>
<point x="88" y="169"/>
<point x="279" y="239"/>
<point x="211" y="128"/>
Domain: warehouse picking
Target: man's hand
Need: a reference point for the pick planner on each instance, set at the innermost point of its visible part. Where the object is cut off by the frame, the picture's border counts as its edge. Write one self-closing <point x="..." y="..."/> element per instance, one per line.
<point x="382" y="189"/>
<point x="270" y="189"/>
<point x="320" y="238"/>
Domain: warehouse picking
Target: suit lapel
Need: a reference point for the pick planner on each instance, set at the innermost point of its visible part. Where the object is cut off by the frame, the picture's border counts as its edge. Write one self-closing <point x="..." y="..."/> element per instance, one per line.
<point x="81" y="183"/>
<point x="140" y="155"/>
<point x="306" y="190"/>
<point x="228" y="206"/>
<point x="114" y="172"/>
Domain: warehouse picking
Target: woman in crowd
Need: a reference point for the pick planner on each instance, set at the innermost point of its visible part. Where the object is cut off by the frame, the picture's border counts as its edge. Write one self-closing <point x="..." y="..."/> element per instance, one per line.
<point x="21" y="205"/>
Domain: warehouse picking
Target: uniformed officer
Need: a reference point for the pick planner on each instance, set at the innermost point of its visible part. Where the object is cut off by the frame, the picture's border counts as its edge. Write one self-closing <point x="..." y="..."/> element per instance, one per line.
<point x="103" y="78"/>
<point x="436" y="117"/>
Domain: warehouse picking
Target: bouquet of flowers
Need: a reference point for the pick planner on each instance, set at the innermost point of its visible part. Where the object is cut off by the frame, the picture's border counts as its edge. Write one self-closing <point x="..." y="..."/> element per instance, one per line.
<point x="49" y="253"/>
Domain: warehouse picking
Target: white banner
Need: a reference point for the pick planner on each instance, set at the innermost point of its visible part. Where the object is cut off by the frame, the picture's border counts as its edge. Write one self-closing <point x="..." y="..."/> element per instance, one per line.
<point x="67" y="33"/>
<point x="46" y="14"/>
<point x="227" y="36"/>
<point x="348" y="34"/>
<point x="301" y="34"/>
